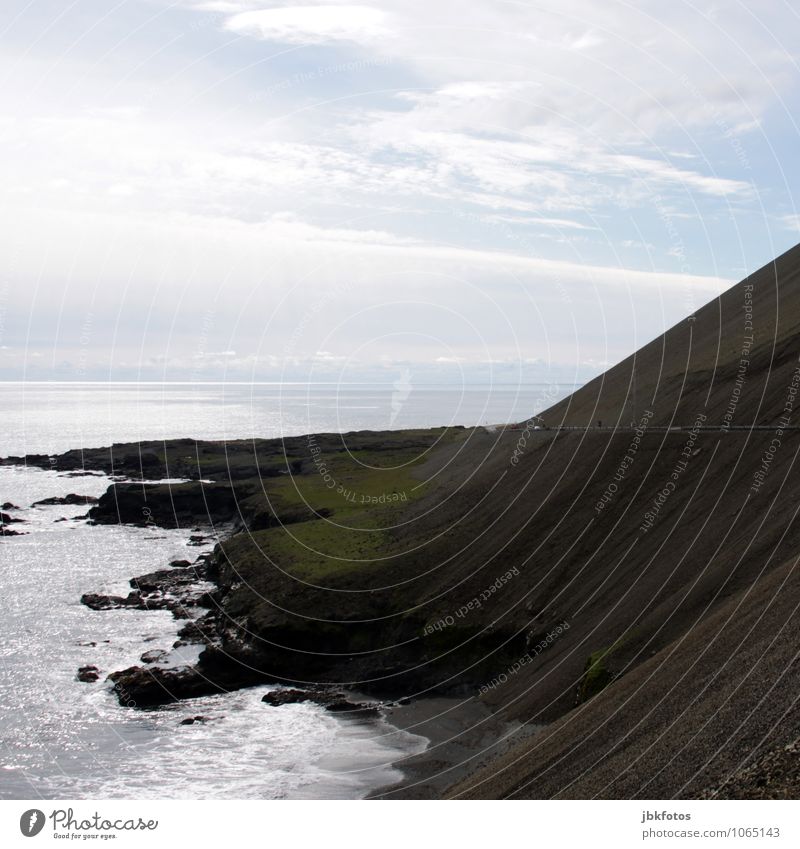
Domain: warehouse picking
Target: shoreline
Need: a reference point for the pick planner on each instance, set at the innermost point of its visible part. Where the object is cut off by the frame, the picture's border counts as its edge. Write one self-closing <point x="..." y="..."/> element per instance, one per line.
<point x="459" y="733"/>
<point x="462" y="734"/>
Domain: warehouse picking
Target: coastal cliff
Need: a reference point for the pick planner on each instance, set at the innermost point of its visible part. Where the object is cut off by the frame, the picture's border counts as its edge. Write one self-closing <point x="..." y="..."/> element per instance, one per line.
<point x="631" y="586"/>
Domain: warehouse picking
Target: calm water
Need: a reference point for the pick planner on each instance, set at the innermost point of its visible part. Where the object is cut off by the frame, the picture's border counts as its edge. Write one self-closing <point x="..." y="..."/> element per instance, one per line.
<point x="62" y="738"/>
<point x="49" y="418"/>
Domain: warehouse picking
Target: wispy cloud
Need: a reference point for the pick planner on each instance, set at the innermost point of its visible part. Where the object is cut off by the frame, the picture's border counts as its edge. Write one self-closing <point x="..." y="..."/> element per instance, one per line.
<point x="313" y="24"/>
<point x="791" y="222"/>
<point x="566" y="170"/>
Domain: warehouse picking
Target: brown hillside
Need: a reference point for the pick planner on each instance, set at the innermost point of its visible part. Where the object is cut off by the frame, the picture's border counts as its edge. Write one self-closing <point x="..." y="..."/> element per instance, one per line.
<point x="680" y="665"/>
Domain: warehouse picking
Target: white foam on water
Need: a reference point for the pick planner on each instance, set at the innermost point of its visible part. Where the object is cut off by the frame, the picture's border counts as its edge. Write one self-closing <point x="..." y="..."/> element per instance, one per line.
<point x="63" y="738"/>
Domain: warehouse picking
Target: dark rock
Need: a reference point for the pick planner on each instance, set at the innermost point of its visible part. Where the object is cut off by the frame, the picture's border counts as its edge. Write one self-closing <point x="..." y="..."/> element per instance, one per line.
<point x="5" y="519"/>
<point x="8" y="506"/>
<point x="145" y="687"/>
<point x="165" y="505"/>
<point x="5" y="531"/>
<point x="180" y="564"/>
<point x="88" y="674"/>
<point x="208" y="600"/>
<point x="180" y="608"/>
<point x="287" y="697"/>
<point x="142" y="460"/>
<point x="167" y="580"/>
<point x="153" y="656"/>
<point x="150" y="686"/>
<point x="357" y="708"/>
<point x="202" y="630"/>
<point x="166" y="589"/>
<point x="97" y="601"/>
<point x="191" y="720"/>
<point x="72" y="498"/>
<point x="332" y="700"/>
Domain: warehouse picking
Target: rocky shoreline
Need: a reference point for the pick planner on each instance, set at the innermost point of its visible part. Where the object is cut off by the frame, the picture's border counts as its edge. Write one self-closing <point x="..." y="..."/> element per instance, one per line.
<point x="235" y="491"/>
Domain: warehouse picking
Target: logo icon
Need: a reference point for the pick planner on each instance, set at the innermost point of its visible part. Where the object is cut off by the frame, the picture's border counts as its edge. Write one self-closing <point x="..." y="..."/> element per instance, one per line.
<point x="31" y="822"/>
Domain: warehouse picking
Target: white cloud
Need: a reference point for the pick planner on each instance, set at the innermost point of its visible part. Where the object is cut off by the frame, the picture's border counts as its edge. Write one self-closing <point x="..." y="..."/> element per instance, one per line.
<point x="424" y="148"/>
<point x="312" y="24"/>
<point x="634" y="68"/>
<point x="791" y="222"/>
<point x="121" y="190"/>
<point x="223" y="6"/>
<point x="539" y="221"/>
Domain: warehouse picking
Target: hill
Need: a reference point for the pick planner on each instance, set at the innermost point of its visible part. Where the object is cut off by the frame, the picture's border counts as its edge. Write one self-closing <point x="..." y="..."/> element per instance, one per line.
<point x="680" y="675"/>
<point x="632" y="587"/>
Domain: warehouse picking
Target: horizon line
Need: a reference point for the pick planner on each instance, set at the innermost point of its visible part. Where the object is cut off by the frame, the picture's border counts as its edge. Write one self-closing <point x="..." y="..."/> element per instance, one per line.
<point x="263" y="383"/>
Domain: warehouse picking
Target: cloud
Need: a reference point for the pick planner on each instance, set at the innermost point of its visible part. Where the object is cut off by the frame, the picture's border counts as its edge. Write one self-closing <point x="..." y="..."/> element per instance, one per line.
<point x="312" y="24"/>
<point x="222" y="6"/>
<point x="636" y="69"/>
<point x="791" y="222"/>
<point x="496" y="158"/>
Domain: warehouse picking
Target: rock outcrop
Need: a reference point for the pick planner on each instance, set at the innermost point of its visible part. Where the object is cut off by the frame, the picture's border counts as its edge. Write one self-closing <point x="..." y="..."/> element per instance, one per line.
<point x="72" y="498"/>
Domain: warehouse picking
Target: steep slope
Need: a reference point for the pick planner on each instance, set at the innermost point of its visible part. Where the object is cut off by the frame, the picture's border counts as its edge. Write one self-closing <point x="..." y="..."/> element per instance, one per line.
<point x="673" y="556"/>
<point x="695" y="364"/>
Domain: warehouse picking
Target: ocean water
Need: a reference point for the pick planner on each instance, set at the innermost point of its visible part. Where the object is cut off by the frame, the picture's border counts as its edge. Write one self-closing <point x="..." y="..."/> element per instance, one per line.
<point x="60" y="738"/>
<point x="50" y="418"/>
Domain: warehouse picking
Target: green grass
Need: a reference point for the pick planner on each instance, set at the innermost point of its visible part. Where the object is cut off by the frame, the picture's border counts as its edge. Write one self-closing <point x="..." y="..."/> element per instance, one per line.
<point x="351" y="535"/>
<point x="596" y="676"/>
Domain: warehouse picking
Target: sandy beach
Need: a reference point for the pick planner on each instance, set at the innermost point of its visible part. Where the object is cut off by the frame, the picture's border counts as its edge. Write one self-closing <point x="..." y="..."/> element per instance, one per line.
<point x="463" y="734"/>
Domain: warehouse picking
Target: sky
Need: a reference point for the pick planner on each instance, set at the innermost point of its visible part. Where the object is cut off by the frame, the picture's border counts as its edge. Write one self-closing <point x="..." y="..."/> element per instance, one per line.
<point x="476" y="191"/>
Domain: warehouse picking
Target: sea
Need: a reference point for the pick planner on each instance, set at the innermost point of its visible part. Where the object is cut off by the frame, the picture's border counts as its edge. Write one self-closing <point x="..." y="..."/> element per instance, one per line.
<point x="61" y="738"/>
